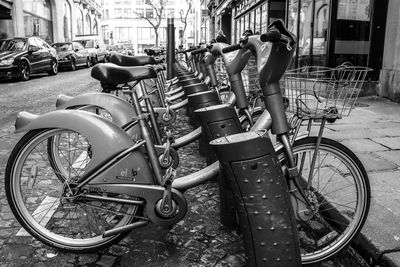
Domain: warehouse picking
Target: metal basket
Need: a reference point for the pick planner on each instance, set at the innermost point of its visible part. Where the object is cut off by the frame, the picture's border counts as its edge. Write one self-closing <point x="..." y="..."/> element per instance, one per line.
<point x="317" y="92"/>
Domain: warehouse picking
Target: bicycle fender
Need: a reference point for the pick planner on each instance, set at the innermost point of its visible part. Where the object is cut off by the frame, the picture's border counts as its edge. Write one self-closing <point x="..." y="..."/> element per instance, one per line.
<point x="106" y="138"/>
<point x="121" y="111"/>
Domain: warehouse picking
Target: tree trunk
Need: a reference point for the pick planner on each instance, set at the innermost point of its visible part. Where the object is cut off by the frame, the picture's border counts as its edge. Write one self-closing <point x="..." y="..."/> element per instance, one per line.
<point x="156" y="31"/>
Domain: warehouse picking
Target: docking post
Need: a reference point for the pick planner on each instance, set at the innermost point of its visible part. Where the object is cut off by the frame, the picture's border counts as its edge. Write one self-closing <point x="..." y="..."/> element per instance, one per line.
<point x="170" y="48"/>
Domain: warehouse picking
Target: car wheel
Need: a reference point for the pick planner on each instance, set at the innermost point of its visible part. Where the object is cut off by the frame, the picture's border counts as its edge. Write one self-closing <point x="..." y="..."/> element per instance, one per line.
<point x="24" y="71"/>
<point x="87" y="65"/>
<point x="53" y="67"/>
<point x="94" y="60"/>
<point x="73" y="65"/>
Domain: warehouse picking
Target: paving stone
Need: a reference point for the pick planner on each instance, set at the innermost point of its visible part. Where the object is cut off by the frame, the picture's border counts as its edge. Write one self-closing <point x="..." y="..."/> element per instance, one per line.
<point x="192" y="256"/>
<point x="118" y="250"/>
<point x="390" y="142"/>
<point x="195" y="245"/>
<point x="393" y="156"/>
<point x="373" y="162"/>
<point x="87" y="259"/>
<point x="363" y="145"/>
<point x="106" y="260"/>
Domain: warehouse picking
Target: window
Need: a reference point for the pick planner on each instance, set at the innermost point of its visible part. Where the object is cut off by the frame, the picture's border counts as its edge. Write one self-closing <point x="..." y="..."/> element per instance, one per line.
<point x="264" y="21"/>
<point x="123" y="33"/>
<point x="37" y="19"/>
<point x="145" y="33"/>
<point x="78" y="46"/>
<point x="139" y="12"/>
<point x="139" y="2"/>
<point x="41" y="44"/>
<point x="149" y="13"/>
<point x="118" y="12"/>
<point x="258" y="20"/>
<point x="127" y="12"/>
<point x="170" y="12"/>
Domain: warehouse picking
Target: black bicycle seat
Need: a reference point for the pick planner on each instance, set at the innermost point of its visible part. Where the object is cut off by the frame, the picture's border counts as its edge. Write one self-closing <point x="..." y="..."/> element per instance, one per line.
<point x="114" y="74"/>
<point x="123" y="60"/>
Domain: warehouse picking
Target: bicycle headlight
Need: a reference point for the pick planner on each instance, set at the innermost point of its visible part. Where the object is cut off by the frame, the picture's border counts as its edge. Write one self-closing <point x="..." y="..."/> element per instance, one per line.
<point x="7" y="61"/>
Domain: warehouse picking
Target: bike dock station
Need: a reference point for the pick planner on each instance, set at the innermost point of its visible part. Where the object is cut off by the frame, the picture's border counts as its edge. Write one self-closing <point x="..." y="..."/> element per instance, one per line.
<point x="281" y="196"/>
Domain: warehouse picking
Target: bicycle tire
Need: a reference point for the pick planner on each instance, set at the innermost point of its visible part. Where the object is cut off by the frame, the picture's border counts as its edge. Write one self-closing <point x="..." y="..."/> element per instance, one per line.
<point x="334" y="207"/>
<point x="37" y="199"/>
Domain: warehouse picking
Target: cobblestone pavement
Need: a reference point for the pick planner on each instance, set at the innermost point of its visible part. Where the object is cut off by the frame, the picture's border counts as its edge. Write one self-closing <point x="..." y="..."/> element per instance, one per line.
<point x="198" y="240"/>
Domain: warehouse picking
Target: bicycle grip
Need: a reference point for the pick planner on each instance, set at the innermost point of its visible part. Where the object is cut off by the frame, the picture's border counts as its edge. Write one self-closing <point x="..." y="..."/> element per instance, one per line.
<point x="198" y="51"/>
<point x="271" y="36"/>
<point x="189" y="49"/>
<point x="231" y="48"/>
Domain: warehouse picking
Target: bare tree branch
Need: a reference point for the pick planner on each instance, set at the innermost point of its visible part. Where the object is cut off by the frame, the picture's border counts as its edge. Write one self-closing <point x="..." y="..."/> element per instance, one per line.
<point x="155" y="22"/>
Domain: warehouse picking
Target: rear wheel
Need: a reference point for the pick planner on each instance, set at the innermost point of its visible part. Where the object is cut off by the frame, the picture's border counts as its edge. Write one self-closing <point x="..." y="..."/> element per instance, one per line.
<point x="340" y="193"/>
<point x="53" y="67"/>
<point x="41" y="195"/>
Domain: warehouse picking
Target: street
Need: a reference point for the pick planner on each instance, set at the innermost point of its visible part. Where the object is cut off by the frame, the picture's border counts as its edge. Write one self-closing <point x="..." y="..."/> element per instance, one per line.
<point x="198" y="240"/>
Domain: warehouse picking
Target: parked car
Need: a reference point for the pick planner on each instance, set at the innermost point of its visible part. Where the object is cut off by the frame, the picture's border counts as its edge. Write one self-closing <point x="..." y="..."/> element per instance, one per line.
<point x="95" y="46"/>
<point x="71" y="55"/>
<point x="22" y="56"/>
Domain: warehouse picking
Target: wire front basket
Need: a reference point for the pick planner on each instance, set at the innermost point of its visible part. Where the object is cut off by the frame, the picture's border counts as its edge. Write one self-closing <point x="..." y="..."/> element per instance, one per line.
<point x="316" y="92"/>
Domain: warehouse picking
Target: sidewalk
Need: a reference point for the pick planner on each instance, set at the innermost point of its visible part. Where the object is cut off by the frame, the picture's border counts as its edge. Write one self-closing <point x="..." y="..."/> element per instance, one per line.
<point x="372" y="131"/>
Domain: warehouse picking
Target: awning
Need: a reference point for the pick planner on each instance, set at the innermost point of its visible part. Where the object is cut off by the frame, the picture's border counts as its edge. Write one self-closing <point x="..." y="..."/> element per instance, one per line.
<point x="5" y="10"/>
<point x="221" y="7"/>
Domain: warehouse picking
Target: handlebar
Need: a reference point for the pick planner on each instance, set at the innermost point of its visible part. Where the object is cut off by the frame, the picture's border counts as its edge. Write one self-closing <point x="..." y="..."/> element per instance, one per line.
<point x="190" y="49"/>
<point x="201" y="50"/>
<point x="231" y="48"/>
<point x="271" y="36"/>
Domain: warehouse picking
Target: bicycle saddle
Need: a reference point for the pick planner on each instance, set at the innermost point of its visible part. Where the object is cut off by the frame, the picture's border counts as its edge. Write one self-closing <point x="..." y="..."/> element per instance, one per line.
<point x="114" y="74"/>
<point x="123" y="60"/>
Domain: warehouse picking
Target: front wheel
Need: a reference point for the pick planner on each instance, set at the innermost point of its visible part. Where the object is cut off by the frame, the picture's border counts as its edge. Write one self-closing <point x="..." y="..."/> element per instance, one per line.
<point x="72" y="66"/>
<point x="41" y="196"/>
<point x="24" y="71"/>
<point x="338" y="189"/>
<point x="87" y="64"/>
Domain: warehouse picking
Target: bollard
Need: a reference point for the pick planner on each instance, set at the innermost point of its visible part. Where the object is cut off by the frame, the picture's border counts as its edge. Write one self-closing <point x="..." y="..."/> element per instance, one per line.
<point x="195" y="88"/>
<point x="217" y="121"/>
<point x="260" y="190"/>
<point x="201" y="100"/>
<point x="170" y="48"/>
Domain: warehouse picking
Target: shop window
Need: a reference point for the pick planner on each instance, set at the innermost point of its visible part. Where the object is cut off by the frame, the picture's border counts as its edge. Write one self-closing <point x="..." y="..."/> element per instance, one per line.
<point x="257" y="25"/>
<point x="264" y="17"/>
<point x="123" y="33"/>
<point x="352" y="41"/>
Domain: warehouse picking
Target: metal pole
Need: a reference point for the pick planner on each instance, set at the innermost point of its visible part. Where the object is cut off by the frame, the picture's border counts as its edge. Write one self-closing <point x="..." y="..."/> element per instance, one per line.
<point x="170" y="48"/>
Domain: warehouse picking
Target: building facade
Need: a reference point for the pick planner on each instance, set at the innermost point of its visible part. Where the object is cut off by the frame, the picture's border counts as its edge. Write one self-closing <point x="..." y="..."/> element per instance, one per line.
<point x="52" y="20"/>
<point x="329" y="32"/>
<point x="123" y="23"/>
